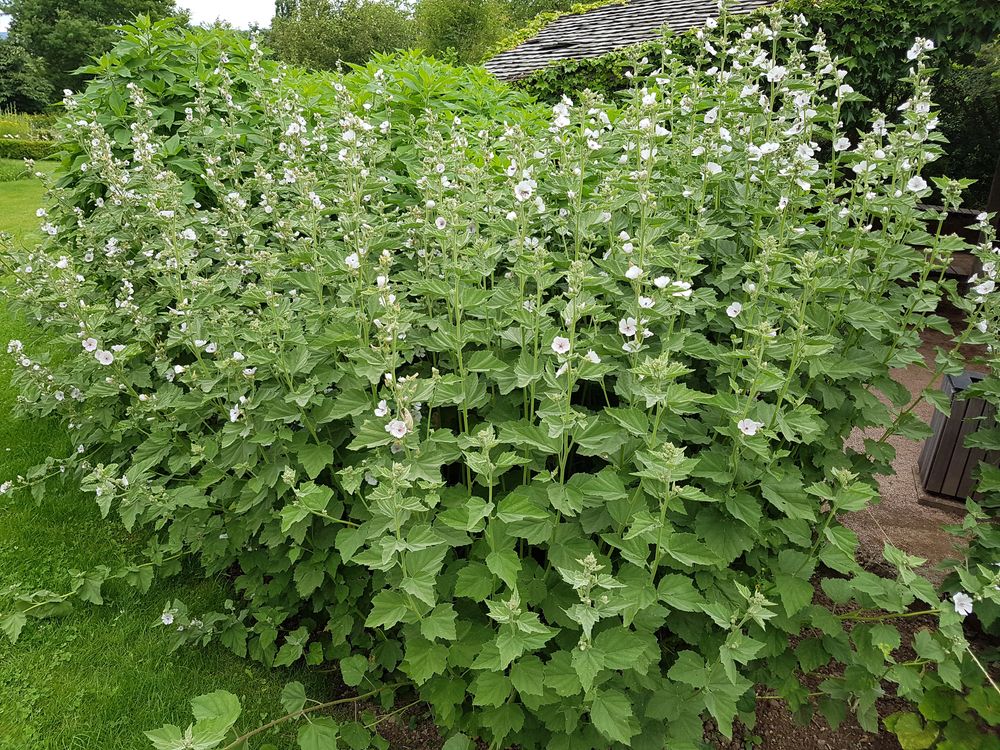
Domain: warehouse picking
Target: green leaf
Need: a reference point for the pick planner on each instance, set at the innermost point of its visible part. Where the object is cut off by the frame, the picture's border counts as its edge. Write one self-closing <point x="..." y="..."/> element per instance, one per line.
<point x="315" y="458"/>
<point x="561" y="676"/>
<point x="474" y="582"/>
<point x="167" y="737"/>
<point x="388" y="608"/>
<point x="220" y="704"/>
<point x="12" y="623"/>
<point x="689" y="668"/>
<point x="293" y="697"/>
<point x="440" y="623"/>
<point x="424" y="659"/>
<point x="588" y="664"/>
<point x="352" y="669"/>
<point x="678" y="591"/>
<point x="612" y="715"/>
<point x="318" y="734"/>
<point x="505" y="565"/>
<point x="458" y="742"/>
<point x="687" y="549"/>
<point x="795" y="593"/>
<point x="937" y="704"/>
<point x="911" y="732"/>
<point x="313" y="497"/>
<point x="490" y="689"/>
<point x="527" y="676"/>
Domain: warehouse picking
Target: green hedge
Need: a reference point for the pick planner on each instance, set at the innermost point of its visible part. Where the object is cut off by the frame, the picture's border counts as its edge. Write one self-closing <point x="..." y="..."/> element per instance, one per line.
<point x="16" y="148"/>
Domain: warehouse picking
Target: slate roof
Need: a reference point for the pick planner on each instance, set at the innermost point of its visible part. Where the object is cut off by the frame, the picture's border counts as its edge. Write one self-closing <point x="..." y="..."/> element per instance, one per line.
<point x="605" y="29"/>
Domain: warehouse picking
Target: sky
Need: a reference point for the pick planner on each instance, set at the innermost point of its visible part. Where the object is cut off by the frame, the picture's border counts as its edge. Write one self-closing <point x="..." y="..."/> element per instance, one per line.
<point x="240" y="13"/>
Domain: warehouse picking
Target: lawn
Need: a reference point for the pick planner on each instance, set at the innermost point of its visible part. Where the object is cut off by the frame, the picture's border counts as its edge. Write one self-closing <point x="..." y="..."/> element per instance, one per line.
<point x="100" y="676"/>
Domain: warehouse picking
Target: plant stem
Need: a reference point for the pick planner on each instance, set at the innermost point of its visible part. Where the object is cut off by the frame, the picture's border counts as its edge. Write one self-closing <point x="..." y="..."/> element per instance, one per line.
<point x="301" y="712"/>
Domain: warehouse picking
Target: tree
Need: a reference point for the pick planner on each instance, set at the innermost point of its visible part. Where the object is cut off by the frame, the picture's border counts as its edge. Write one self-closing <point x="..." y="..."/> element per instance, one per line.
<point x="468" y="27"/>
<point x="520" y="12"/>
<point x="969" y="100"/>
<point x="23" y="85"/>
<point x="67" y="34"/>
<point x="321" y="33"/>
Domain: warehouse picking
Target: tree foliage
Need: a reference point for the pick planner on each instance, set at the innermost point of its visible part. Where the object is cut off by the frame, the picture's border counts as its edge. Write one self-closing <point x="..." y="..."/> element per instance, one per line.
<point x="66" y="34"/>
<point x="24" y="86"/>
<point x="467" y="28"/>
<point x="969" y="95"/>
<point x="321" y="34"/>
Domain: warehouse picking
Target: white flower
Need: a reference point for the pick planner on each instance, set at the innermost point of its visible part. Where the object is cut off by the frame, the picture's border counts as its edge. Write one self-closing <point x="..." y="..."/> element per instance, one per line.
<point x="633" y="273"/>
<point x="776" y="73"/>
<point x="985" y="288"/>
<point x="234" y="413"/>
<point x="842" y="144"/>
<point x="523" y="190"/>
<point x="712" y="115"/>
<point x="397" y="428"/>
<point x="627" y="326"/>
<point x="713" y="168"/>
<point x="104" y="357"/>
<point x="749" y="427"/>
<point x="211" y="348"/>
<point x="963" y="603"/>
<point x="562" y="369"/>
<point x="90" y="344"/>
<point x="646" y="302"/>
<point x="734" y="309"/>
<point x="167" y="618"/>
<point x="440" y="222"/>
<point x="189" y="234"/>
<point x="916" y="184"/>
<point x="353" y="261"/>
<point x="660" y="282"/>
<point x="238" y="356"/>
<point x="560" y="345"/>
<point x="648" y="98"/>
<point x="983" y="326"/>
<point x="592" y="356"/>
<point x="382" y="409"/>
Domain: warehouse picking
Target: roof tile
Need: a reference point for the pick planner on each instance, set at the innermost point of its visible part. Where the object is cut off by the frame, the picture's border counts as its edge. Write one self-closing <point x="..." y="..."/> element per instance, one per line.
<point x="606" y="29"/>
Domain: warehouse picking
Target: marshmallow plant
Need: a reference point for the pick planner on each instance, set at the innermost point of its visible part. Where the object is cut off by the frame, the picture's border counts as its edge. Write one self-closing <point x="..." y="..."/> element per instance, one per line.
<point x="538" y="415"/>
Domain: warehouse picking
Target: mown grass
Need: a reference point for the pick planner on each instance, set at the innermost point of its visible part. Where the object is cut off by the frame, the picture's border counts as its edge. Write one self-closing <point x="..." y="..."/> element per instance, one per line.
<point x="95" y="679"/>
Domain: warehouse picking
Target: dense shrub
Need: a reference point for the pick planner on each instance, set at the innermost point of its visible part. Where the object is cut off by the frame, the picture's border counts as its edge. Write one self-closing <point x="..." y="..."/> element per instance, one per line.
<point x="321" y="34"/>
<point x="18" y="148"/>
<point x="542" y="413"/>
